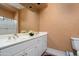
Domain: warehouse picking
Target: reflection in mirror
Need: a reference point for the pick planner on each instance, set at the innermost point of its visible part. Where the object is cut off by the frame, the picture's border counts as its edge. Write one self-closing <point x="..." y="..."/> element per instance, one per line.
<point x="7" y="26"/>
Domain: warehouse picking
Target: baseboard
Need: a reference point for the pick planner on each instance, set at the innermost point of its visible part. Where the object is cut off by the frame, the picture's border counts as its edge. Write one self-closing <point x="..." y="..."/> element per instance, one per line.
<point x="57" y="52"/>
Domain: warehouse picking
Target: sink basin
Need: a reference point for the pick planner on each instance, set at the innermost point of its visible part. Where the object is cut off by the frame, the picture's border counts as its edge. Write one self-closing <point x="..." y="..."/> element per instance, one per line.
<point x="7" y="40"/>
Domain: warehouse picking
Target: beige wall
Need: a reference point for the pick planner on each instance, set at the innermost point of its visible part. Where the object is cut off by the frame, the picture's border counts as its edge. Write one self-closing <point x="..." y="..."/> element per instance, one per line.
<point x="16" y="17"/>
<point x="61" y="21"/>
<point x="6" y="13"/>
<point x="28" y="20"/>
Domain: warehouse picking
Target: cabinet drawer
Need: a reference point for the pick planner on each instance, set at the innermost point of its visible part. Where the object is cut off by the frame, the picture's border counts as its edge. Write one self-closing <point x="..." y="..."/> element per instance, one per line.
<point x="22" y="53"/>
<point x="31" y="52"/>
<point x="17" y="48"/>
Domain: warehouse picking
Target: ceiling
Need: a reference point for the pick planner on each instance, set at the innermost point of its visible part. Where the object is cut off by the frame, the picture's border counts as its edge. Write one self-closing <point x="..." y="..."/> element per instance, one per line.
<point x="13" y="7"/>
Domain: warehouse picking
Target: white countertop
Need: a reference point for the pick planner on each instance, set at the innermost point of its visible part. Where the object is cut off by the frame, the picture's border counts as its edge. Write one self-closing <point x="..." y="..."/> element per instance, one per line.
<point x="5" y="42"/>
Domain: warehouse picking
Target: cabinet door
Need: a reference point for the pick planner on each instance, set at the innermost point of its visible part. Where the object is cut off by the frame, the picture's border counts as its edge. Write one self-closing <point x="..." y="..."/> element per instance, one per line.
<point x="22" y="53"/>
<point x="39" y="42"/>
<point x="0" y="53"/>
<point x="31" y="52"/>
<point x="10" y="51"/>
<point x="44" y="42"/>
<point x="17" y="48"/>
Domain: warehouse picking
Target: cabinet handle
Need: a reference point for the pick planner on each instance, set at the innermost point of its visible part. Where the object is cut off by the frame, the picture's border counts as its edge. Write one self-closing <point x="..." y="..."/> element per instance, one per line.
<point x="25" y="53"/>
<point x="22" y="55"/>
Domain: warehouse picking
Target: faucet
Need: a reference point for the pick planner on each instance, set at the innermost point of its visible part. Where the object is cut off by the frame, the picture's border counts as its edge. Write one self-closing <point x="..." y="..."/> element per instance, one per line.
<point x="11" y="37"/>
<point x="14" y="37"/>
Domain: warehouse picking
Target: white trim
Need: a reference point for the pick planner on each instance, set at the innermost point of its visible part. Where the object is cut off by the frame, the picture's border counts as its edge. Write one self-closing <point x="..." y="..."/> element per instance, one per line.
<point x="57" y="52"/>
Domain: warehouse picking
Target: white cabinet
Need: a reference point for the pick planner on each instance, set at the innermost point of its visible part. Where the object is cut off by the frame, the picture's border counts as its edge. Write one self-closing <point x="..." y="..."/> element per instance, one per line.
<point x="33" y="47"/>
<point x="30" y="52"/>
<point x="22" y="53"/>
<point x="44" y="44"/>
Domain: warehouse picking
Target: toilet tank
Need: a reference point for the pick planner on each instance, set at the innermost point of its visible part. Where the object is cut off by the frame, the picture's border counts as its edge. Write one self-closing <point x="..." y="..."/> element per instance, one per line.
<point x="75" y="43"/>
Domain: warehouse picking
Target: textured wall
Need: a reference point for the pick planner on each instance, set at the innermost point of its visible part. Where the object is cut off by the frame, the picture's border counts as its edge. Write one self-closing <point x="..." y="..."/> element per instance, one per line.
<point x="6" y="13"/>
<point x="61" y="21"/>
<point x="29" y="20"/>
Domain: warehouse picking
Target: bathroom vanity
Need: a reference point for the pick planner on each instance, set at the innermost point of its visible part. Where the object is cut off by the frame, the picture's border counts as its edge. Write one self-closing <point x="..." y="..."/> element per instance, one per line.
<point x="23" y="45"/>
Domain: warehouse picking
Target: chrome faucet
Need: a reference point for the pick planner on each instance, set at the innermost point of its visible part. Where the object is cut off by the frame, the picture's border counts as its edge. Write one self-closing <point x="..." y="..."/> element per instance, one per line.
<point x="14" y="36"/>
<point x="10" y="37"/>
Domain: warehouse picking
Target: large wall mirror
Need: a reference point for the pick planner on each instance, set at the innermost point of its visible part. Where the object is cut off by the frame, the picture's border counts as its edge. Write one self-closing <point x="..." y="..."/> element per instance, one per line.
<point x="7" y="25"/>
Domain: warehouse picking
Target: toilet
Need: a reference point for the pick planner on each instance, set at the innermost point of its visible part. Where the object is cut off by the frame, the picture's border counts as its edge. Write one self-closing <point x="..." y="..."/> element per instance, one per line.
<point x="75" y="45"/>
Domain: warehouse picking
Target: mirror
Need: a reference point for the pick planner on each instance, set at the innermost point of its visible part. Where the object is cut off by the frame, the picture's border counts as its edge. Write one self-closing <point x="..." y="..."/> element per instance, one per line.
<point x="7" y="25"/>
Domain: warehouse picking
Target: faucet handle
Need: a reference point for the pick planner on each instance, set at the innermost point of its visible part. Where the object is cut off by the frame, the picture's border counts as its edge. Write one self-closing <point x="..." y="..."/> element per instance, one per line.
<point x="16" y="35"/>
<point x="9" y="37"/>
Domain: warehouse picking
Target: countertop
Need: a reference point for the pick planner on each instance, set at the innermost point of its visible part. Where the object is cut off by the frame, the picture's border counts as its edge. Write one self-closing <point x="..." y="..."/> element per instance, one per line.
<point x="22" y="37"/>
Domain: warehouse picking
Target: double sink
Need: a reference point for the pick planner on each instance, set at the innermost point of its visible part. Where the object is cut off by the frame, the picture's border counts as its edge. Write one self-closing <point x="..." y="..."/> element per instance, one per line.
<point x="6" y="40"/>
